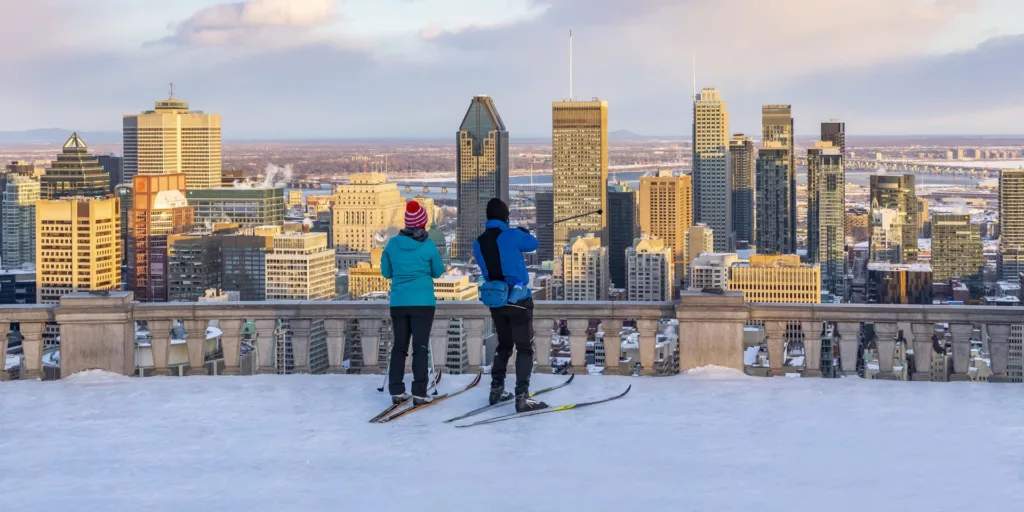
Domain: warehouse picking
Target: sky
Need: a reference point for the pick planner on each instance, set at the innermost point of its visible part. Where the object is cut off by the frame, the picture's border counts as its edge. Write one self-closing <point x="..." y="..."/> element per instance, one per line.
<point x="408" y="68"/>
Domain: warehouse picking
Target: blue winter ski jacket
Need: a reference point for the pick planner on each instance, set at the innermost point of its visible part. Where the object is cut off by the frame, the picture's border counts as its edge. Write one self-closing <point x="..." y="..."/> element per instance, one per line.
<point x="411" y="265"/>
<point x="512" y="243"/>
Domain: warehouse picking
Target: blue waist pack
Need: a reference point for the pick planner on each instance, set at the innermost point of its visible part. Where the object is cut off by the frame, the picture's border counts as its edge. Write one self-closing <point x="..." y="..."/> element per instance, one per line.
<point x="494" y="294"/>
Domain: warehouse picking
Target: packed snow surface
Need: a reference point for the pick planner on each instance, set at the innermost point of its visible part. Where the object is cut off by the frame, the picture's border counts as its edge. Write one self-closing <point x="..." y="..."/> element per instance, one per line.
<point x="713" y="439"/>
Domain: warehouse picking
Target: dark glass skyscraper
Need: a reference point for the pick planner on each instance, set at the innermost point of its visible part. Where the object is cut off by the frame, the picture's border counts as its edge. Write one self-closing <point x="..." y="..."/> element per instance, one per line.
<point x="774" y="214"/>
<point x="75" y="173"/>
<point x="622" y="230"/>
<point x="481" y="169"/>
<point x="835" y="132"/>
<point x="545" y="235"/>
<point x="114" y="166"/>
<point x="744" y="165"/>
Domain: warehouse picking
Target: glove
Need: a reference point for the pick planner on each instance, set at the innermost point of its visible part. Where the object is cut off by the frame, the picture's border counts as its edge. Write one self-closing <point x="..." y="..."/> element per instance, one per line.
<point x="523" y="229"/>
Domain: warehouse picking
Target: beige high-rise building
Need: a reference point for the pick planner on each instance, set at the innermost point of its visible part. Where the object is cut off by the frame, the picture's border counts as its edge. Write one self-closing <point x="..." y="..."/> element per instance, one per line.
<point x="649" y="271"/>
<point x="365" y="209"/>
<point x="428" y="204"/>
<point x="579" y="140"/>
<point x="1011" y="224"/>
<point x="78" y="246"/>
<point x="301" y="267"/>
<point x="710" y="271"/>
<point x="777" y="278"/>
<point x="700" y="239"/>
<point x="710" y="135"/>
<point x="826" y="207"/>
<point x="170" y="139"/>
<point x="20" y="195"/>
<point x="366" y="278"/>
<point x="666" y="211"/>
<point x="956" y="248"/>
<point x="585" y="271"/>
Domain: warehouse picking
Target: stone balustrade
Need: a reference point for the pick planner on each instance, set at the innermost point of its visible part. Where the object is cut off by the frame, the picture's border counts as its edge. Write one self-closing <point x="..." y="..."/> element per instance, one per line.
<point x="98" y="331"/>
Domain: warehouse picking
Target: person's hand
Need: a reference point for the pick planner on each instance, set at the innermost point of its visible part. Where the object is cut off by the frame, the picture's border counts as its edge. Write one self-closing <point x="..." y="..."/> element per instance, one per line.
<point x="523" y="229"/>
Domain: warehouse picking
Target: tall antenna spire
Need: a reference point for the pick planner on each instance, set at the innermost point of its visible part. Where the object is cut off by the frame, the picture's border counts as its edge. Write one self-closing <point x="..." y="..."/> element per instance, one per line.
<point x="171" y="97"/>
<point x="570" y="64"/>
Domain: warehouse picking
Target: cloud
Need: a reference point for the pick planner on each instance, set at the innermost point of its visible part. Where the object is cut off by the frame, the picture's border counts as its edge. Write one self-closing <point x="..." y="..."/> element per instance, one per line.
<point x="244" y="21"/>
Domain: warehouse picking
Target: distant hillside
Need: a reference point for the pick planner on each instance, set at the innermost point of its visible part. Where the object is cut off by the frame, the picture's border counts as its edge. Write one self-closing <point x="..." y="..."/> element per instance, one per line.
<point x="51" y="136"/>
<point x="626" y="135"/>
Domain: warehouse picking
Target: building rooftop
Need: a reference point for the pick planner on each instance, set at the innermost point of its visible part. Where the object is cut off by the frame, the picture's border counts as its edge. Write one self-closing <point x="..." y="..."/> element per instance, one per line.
<point x="889" y="267"/>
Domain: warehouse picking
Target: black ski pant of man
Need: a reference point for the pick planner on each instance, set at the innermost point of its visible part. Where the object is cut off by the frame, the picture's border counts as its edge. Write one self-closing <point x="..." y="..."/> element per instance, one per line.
<point x="514" y="325"/>
<point x="410" y="323"/>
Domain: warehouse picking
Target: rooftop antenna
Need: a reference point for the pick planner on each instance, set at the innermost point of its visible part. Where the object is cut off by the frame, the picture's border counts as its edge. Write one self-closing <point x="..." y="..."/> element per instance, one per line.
<point x="570" y="64"/>
<point x="172" y="92"/>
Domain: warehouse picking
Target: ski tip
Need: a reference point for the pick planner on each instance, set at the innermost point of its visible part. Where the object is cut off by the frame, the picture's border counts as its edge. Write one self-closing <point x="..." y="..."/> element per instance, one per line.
<point x="571" y="377"/>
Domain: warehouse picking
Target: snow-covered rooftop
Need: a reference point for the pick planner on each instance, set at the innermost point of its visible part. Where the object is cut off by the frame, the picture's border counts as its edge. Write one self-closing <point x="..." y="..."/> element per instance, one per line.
<point x="712" y="440"/>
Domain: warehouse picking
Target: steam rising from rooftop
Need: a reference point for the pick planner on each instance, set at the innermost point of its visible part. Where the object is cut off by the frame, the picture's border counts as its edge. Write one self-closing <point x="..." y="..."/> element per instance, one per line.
<point x="274" y="176"/>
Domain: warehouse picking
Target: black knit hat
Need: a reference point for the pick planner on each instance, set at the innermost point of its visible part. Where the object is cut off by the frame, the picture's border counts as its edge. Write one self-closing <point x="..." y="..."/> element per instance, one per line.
<point x="497" y="209"/>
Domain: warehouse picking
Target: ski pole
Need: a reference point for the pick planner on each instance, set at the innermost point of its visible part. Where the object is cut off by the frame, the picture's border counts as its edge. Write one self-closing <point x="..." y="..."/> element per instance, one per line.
<point x="387" y="372"/>
<point x="595" y="212"/>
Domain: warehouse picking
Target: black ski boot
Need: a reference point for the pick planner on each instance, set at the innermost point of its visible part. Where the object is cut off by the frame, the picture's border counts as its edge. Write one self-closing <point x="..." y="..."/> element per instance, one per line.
<point x="498" y="394"/>
<point x="399" y="399"/>
<point x="421" y="400"/>
<point x="526" y="404"/>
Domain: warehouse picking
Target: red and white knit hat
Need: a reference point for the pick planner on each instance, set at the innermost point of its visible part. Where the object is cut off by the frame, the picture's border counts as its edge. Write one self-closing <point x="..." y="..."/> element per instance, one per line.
<point x="415" y="215"/>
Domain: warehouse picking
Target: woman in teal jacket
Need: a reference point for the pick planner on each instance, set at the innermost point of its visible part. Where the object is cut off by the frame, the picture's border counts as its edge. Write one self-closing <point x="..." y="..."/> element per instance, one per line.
<point x="411" y="261"/>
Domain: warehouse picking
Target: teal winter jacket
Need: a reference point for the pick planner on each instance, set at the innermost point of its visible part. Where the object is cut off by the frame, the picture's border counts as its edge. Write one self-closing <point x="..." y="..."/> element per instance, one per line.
<point x="411" y="261"/>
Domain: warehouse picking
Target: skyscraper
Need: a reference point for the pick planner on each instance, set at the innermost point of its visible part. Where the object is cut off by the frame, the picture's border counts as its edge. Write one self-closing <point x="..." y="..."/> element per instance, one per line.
<point x="124" y="194"/>
<point x="710" y="134"/>
<point x="113" y="165"/>
<point x="77" y="248"/>
<point x="579" y="140"/>
<point x="894" y="192"/>
<point x="777" y="126"/>
<point x="775" y="233"/>
<point x="666" y="211"/>
<point x="699" y="240"/>
<point x="956" y="248"/>
<point x="244" y="259"/>
<point x="481" y="170"/>
<point x="19" y="221"/>
<point x="621" y="230"/>
<point x="744" y="165"/>
<point x="194" y="265"/>
<point x="585" y="269"/>
<point x="246" y="207"/>
<point x="364" y="210"/>
<point x="650" y="271"/>
<point x="1011" y="219"/>
<point x="74" y="173"/>
<point x="834" y="131"/>
<point x="171" y="139"/>
<point x="301" y="267"/>
<point x="545" y="231"/>
<point x="826" y="207"/>
<point x="159" y="209"/>
<point x="715" y="170"/>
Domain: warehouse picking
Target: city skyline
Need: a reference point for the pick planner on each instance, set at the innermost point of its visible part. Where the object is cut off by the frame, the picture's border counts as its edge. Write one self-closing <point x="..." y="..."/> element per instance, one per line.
<point x="228" y="57"/>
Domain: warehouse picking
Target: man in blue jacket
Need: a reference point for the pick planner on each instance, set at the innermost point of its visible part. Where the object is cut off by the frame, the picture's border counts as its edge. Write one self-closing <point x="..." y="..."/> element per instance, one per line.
<point x="499" y="253"/>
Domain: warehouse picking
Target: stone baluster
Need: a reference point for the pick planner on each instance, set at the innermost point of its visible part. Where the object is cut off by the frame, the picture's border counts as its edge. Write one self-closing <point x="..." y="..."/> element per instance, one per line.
<point x="160" y="344"/>
<point x="474" y="327"/>
<point x="335" y="328"/>
<point x="999" y="351"/>
<point x="923" y="351"/>
<point x="231" y="344"/>
<point x="612" y="329"/>
<point x="849" y="334"/>
<point x="961" y="350"/>
<point x="885" y="340"/>
<point x="647" y="338"/>
<point x="32" y="348"/>
<point x="369" y="335"/>
<point x="776" y="347"/>
<point x="195" y="344"/>
<point x="578" y="344"/>
<point x="300" y="328"/>
<point x="438" y="343"/>
<point x="3" y="350"/>
<point x="542" y="331"/>
<point x="266" y="344"/>
<point x="812" y="348"/>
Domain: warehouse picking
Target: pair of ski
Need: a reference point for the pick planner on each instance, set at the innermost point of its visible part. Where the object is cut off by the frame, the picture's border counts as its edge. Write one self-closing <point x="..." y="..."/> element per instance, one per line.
<point x="389" y="414"/>
<point x="517" y="415"/>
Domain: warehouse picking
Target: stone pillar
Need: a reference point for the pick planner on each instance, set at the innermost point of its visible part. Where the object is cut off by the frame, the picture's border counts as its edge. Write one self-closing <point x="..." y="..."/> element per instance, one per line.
<point x="961" y="350"/>
<point x="231" y="344"/>
<point x="300" y="328"/>
<point x="776" y="347"/>
<point x="923" y="352"/>
<point x="612" y="344"/>
<point x="3" y="351"/>
<point x="711" y="329"/>
<point x="812" y="348"/>
<point x="542" y="332"/>
<point x="885" y="340"/>
<point x="474" y="327"/>
<point x="195" y="343"/>
<point x="32" y="348"/>
<point x="647" y="338"/>
<point x="438" y="344"/>
<point x="160" y="343"/>
<point x="999" y="351"/>
<point x="335" y="328"/>
<point x="96" y="332"/>
<point x="369" y="335"/>
<point x="849" y="334"/>
<point x="578" y="344"/>
<point x="266" y="344"/>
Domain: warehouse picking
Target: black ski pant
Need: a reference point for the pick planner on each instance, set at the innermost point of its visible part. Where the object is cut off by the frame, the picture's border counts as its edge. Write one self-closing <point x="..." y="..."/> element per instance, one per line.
<point x="514" y="326"/>
<point x="410" y="323"/>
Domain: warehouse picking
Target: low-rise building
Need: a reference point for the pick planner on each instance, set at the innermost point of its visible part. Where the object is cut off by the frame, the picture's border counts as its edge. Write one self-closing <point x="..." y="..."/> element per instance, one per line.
<point x="777" y="278"/>
<point x="710" y="271"/>
<point x="899" y="283"/>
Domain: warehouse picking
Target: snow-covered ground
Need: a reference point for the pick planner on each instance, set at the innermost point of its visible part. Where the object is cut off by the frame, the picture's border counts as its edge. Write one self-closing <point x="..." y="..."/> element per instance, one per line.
<point x="710" y="440"/>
